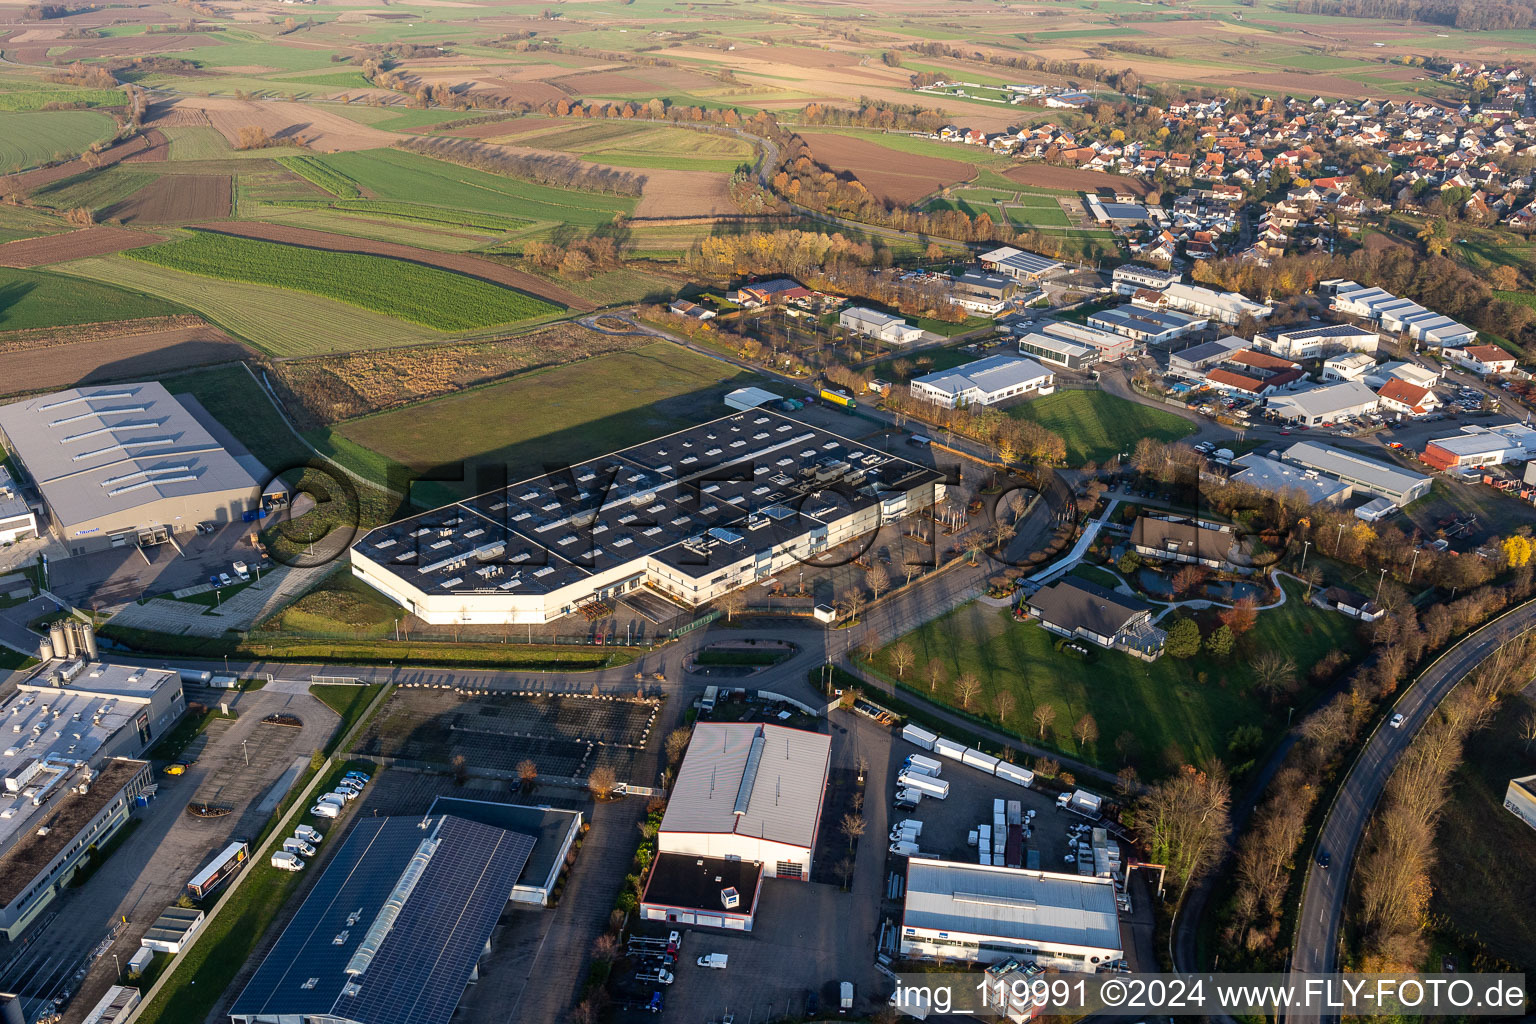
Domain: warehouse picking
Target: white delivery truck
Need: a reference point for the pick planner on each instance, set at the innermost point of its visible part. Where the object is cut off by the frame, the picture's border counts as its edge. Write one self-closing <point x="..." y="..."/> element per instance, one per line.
<point x="911" y="823"/>
<point x="903" y="835"/>
<point x="908" y="798"/>
<point x="287" y="861"/>
<point x="716" y="960"/>
<point x="925" y="784"/>
<point x="1085" y="803"/>
<point x="845" y="997"/>
<point x="904" y="849"/>
<point x="925" y="765"/>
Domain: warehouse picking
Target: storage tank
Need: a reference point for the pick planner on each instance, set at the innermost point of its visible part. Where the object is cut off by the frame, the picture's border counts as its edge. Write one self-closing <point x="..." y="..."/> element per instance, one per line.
<point x="56" y="635"/>
<point x="88" y="639"/>
<point x="45" y="649"/>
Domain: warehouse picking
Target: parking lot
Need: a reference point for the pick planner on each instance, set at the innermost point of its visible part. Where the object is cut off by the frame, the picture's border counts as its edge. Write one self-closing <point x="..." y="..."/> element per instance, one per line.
<point x="107" y="579"/>
<point x="165" y="849"/>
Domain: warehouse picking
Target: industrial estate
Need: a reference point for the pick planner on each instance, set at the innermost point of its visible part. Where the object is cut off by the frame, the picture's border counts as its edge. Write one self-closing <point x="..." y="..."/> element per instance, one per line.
<point x="770" y="512"/>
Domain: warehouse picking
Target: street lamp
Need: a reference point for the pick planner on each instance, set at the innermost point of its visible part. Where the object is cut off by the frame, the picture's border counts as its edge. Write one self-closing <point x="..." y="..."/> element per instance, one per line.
<point x="119" y="965"/>
<point x="247" y="753"/>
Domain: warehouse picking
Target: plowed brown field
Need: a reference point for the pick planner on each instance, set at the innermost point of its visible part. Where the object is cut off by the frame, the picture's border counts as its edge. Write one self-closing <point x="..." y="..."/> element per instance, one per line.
<point x="901" y="178"/>
<point x="40" y="361"/>
<point x="459" y="263"/>
<point x="73" y="245"/>
<point x="176" y="199"/>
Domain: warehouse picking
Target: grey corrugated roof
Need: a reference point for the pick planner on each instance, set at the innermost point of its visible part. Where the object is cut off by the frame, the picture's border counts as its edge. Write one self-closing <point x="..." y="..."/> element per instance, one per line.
<point x="1073" y="603"/>
<point x="1010" y="903"/>
<point x="782" y="795"/>
<point x="94" y="451"/>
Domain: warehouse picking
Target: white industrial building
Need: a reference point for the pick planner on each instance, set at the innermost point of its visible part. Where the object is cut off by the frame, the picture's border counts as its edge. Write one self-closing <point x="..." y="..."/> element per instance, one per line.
<point x="1192" y="362"/>
<point x="125" y="464"/>
<point x="1326" y="404"/>
<point x="1396" y="315"/>
<point x="1348" y="366"/>
<point x="1134" y="277"/>
<point x="1048" y="348"/>
<point x="693" y="515"/>
<point x="984" y="382"/>
<point x="747" y="399"/>
<point x="1227" y="307"/>
<point x="1146" y="326"/>
<point x="1364" y="475"/>
<point x="884" y="327"/>
<point x="1018" y="264"/>
<point x="1413" y="373"/>
<point x="18" y="521"/>
<point x="1316" y="342"/>
<point x="1110" y="347"/>
<point x="75" y="728"/>
<point x="749" y="792"/>
<point x="1482" y="446"/>
<point x="1483" y="360"/>
<point x="984" y="914"/>
<point x="1280" y="477"/>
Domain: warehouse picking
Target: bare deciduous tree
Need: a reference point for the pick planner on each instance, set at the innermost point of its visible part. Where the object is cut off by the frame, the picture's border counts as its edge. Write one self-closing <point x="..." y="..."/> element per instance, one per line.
<point x="935" y="675"/>
<point x="1086" y="730"/>
<point x="1004" y="703"/>
<point x="966" y="689"/>
<point x="1044" y="715"/>
<point x="733" y="603"/>
<point x="677" y="743"/>
<point x="852" y="827"/>
<point x="902" y="658"/>
<point x="1184" y="821"/>
<point x="605" y="948"/>
<point x="1274" y="673"/>
<point x="877" y="579"/>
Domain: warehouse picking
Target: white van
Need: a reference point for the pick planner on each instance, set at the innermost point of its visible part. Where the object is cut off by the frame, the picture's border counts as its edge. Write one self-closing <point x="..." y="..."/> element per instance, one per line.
<point x="298" y="846"/>
<point x="326" y="809"/>
<point x="346" y="794"/>
<point x="287" y="861"/>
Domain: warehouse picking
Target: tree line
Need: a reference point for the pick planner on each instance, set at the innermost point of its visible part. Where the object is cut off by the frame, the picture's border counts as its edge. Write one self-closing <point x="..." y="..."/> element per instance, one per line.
<point x="1124" y="80"/>
<point x="877" y="114"/>
<point x="555" y="171"/>
<point x="1485" y="15"/>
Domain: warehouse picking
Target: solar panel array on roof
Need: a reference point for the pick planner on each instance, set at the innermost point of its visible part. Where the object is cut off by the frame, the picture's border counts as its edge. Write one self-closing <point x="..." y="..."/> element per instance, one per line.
<point x="426" y="949"/>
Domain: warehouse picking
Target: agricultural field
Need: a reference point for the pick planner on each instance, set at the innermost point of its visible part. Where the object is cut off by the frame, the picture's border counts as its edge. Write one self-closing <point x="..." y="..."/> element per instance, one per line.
<point x="72" y="245"/>
<point x="899" y="179"/>
<point x="43" y="360"/>
<point x="1098" y="426"/>
<point x="433" y="298"/>
<point x="27" y="140"/>
<point x="35" y="298"/>
<point x="626" y="144"/>
<point x="565" y="414"/>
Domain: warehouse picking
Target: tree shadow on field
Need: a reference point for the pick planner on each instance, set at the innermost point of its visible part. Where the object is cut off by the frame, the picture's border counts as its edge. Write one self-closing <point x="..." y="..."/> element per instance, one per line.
<point x="11" y="294"/>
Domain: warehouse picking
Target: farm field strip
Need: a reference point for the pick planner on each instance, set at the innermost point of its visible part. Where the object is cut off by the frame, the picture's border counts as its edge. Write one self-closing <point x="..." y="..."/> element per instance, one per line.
<point x="136" y="355"/>
<point x="94" y="241"/>
<point x="28" y="139"/>
<point x="434" y="298"/>
<point x="279" y="323"/>
<point x="322" y="175"/>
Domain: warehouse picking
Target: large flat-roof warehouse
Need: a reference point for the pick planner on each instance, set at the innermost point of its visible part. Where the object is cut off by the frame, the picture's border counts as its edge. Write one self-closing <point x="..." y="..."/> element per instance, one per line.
<point x="694" y="514"/>
<point x="395" y="928"/>
<point x="123" y="464"/>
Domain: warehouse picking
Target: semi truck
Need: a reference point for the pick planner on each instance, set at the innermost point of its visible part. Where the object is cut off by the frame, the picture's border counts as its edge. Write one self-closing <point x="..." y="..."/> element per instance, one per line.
<point x="925" y="784"/>
<point x="838" y="398"/>
<point x="924" y="765"/>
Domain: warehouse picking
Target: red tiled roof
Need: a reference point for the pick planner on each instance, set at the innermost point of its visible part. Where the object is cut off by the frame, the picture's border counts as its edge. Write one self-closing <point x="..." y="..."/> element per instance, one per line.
<point x="1261" y="360"/>
<point x="1221" y="375"/>
<point x="1400" y="391"/>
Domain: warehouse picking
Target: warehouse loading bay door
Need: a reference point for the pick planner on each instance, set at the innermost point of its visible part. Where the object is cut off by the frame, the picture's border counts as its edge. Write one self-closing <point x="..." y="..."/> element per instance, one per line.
<point x="154" y="536"/>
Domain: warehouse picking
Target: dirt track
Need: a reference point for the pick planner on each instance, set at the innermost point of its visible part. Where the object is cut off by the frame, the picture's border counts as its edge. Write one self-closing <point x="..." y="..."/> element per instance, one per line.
<point x="459" y="263"/>
<point x="72" y="245"/>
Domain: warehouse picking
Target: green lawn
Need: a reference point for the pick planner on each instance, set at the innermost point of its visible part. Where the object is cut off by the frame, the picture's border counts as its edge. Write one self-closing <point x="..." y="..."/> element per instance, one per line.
<point x="36" y="298"/>
<point x="342" y="604"/>
<point x="555" y="416"/>
<point x="24" y="96"/>
<point x="1173" y="716"/>
<point x="27" y="140"/>
<point x="347" y="701"/>
<point x="1098" y="426"/>
<point x="437" y="299"/>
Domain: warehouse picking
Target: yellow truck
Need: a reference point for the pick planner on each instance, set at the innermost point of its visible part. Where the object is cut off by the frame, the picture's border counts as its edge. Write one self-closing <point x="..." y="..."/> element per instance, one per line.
<point x="838" y="398"/>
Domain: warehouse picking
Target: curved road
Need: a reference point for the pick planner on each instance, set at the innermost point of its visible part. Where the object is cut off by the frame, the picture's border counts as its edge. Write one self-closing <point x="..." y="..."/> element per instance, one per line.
<point x="1322" y="906"/>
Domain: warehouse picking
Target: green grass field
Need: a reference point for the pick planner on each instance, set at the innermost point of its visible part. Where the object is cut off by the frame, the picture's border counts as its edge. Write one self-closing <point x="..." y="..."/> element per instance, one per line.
<point x="560" y="415"/>
<point x="326" y="177"/>
<point x="1163" y="704"/>
<point x="22" y="96"/>
<point x="95" y="190"/>
<point x="278" y="322"/>
<point x="406" y="177"/>
<point x="1098" y="426"/>
<point x="27" y="140"/>
<point x="35" y="298"/>
<point x="411" y="213"/>
<point x="433" y="298"/>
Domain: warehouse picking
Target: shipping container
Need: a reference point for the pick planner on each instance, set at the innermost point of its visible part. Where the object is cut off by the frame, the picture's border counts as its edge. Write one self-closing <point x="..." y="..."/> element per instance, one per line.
<point x="977" y="759"/>
<point x="997" y="806"/>
<point x="192" y="675"/>
<point x="1085" y="803"/>
<point x="949" y="748"/>
<point x="1014" y="774"/>
<point x="1015" y="812"/>
<point x="838" y="398"/>
<point x="922" y="737"/>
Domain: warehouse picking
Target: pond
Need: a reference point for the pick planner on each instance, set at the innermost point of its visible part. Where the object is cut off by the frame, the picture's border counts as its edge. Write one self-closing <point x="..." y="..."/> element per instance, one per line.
<point x="1159" y="585"/>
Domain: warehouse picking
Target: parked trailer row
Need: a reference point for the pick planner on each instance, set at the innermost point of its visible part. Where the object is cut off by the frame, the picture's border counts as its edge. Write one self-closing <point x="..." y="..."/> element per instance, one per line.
<point x="925" y="784"/>
<point x="970" y="756"/>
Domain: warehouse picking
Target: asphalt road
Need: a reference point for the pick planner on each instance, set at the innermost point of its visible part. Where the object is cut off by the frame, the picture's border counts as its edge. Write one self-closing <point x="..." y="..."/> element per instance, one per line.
<point x="1322" y="906"/>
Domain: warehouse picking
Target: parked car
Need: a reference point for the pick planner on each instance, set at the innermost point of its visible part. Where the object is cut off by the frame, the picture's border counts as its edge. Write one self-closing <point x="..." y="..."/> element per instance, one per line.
<point x="1324" y="858"/>
<point x="359" y="776"/>
<point x="225" y="581"/>
<point x="346" y="794"/>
